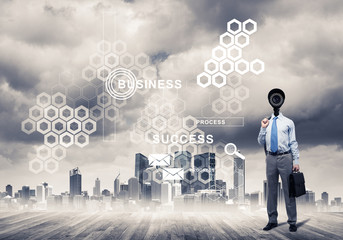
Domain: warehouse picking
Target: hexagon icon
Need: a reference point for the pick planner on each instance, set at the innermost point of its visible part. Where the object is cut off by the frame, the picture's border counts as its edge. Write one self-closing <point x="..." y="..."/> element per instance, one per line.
<point x="234" y="106"/>
<point x="89" y="126"/>
<point x="218" y="53"/>
<point x="88" y="73"/>
<point x="242" y="66"/>
<point x="119" y="47"/>
<point x="150" y="73"/>
<point x="227" y="93"/>
<point x="179" y="105"/>
<point x="159" y="123"/>
<point x="166" y="110"/>
<point x="96" y="60"/>
<point x="219" y="149"/>
<point x="204" y="176"/>
<point x="66" y="139"/>
<point x="36" y="165"/>
<point x="234" y="80"/>
<point x="51" y="165"/>
<point x="43" y="100"/>
<point x="197" y="132"/>
<point x="204" y="148"/>
<point x="182" y="161"/>
<point x="74" y="126"/>
<point x="151" y="110"/>
<point x="226" y="66"/>
<point x="43" y="152"/>
<point x="257" y="66"/>
<point x="51" y="139"/>
<point x="174" y="147"/>
<point x="127" y="60"/>
<point x="142" y="60"/>
<point x="58" y="153"/>
<point x="28" y="126"/>
<point x="74" y="92"/>
<point x="103" y="47"/>
<point x="137" y="72"/>
<point x="174" y="123"/>
<point x="242" y="40"/>
<point x="143" y="123"/>
<point x="81" y="113"/>
<point x="104" y="100"/>
<point x="51" y="113"/>
<point x="111" y="60"/>
<point x="234" y="53"/>
<point x="249" y="26"/>
<point x="190" y="176"/>
<point x="103" y="72"/>
<point x="211" y="66"/>
<point x="119" y="103"/>
<point x="36" y="113"/>
<point x="219" y="106"/>
<point x="96" y="113"/>
<point x="226" y="40"/>
<point x="242" y="93"/>
<point x="43" y="126"/>
<point x="157" y="176"/>
<point x="234" y="26"/>
<point x="66" y="113"/>
<point x="204" y="80"/>
<point x="81" y="139"/>
<point x="111" y="113"/>
<point x="149" y="135"/>
<point x="191" y="148"/>
<point x="189" y="123"/>
<point x="89" y="92"/>
<point x="219" y="80"/>
<point x="59" y="100"/>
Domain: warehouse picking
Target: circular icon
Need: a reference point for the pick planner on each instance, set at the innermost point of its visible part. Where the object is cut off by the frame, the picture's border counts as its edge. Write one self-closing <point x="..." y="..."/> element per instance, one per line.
<point x="231" y="149"/>
<point x="119" y="79"/>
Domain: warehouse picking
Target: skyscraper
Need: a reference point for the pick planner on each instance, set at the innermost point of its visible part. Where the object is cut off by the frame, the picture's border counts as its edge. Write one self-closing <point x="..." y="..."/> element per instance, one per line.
<point x="40" y="193"/>
<point x="325" y="197"/>
<point x="25" y="193"/>
<point x="141" y="163"/>
<point x="134" y="188"/>
<point x="9" y="190"/>
<point x="239" y="179"/>
<point x="75" y="182"/>
<point x="116" y="187"/>
<point x="96" y="189"/>
<point x="166" y="192"/>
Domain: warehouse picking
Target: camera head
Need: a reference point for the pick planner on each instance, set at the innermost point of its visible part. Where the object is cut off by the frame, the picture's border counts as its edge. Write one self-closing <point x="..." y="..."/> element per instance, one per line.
<point x="276" y="98"/>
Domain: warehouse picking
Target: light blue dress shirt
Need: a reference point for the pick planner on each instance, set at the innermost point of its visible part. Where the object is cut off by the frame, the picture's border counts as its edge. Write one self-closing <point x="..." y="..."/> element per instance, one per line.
<point x="286" y="136"/>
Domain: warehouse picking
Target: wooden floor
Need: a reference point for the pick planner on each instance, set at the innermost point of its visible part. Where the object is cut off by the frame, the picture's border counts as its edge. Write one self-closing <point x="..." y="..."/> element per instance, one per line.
<point x="109" y="225"/>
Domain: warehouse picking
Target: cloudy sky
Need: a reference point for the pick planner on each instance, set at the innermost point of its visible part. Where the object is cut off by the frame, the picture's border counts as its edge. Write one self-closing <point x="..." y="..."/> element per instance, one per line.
<point x="300" y="43"/>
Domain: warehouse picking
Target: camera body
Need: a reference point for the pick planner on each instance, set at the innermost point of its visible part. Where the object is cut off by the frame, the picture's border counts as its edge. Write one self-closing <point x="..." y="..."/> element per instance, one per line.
<point x="276" y="98"/>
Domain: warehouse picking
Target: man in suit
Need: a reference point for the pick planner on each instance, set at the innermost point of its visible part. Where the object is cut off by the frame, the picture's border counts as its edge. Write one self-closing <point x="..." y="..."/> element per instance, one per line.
<point x="277" y="134"/>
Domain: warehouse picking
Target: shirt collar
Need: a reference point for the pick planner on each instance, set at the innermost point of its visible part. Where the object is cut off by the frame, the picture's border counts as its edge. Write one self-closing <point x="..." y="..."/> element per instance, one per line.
<point x="279" y="116"/>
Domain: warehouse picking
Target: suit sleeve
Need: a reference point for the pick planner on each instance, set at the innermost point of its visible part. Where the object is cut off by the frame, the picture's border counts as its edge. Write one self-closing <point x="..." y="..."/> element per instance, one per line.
<point x="293" y="144"/>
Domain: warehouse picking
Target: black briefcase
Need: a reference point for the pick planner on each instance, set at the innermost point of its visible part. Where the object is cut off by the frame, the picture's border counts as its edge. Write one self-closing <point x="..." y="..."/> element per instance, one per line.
<point x="296" y="184"/>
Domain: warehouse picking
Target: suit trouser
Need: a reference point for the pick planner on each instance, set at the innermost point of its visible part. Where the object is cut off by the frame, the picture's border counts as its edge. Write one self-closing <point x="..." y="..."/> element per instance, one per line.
<point x="280" y="165"/>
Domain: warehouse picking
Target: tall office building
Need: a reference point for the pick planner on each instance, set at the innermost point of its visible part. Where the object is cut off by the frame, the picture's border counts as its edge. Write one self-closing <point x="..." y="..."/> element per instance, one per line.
<point x="239" y="179"/>
<point x="141" y="163"/>
<point x="9" y="190"/>
<point x="116" y="187"/>
<point x="25" y="193"/>
<point x="338" y="201"/>
<point x="40" y="193"/>
<point x="146" y="193"/>
<point x="155" y="191"/>
<point x="166" y="192"/>
<point x="134" y="188"/>
<point x="325" y="197"/>
<point x="75" y="182"/>
<point x="96" y="188"/>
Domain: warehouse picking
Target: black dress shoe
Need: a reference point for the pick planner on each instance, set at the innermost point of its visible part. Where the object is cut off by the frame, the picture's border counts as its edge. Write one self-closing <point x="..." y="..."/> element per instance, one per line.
<point x="270" y="226"/>
<point x="293" y="228"/>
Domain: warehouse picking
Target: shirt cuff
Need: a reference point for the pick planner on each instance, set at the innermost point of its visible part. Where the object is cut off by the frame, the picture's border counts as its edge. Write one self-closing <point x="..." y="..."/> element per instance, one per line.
<point x="263" y="130"/>
<point x="296" y="161"/>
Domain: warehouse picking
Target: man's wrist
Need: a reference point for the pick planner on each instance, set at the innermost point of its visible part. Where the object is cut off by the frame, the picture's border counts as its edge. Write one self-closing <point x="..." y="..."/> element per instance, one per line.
<point x="296" y="161"/>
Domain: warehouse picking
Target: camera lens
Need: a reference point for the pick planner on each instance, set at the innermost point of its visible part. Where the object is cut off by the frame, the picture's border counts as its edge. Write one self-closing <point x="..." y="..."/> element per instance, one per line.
<point x="276" y="100"/>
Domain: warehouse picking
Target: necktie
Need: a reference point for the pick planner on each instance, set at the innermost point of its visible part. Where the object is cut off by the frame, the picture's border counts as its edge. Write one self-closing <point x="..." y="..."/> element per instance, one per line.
<point x="273" y="138"/>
